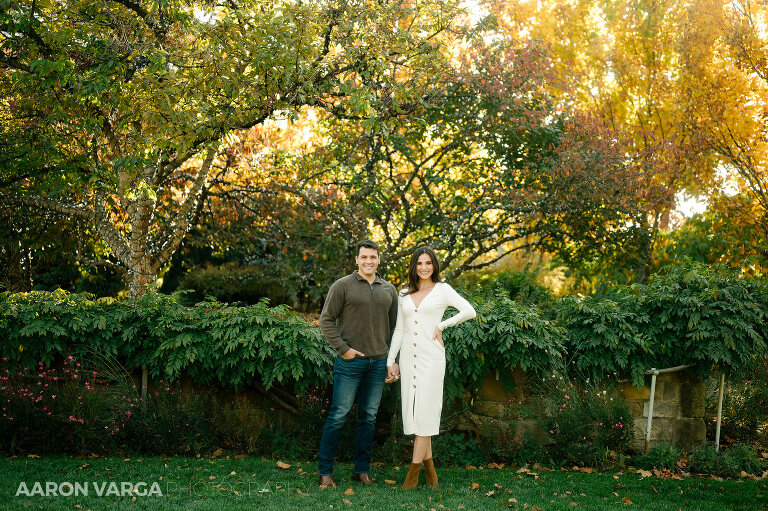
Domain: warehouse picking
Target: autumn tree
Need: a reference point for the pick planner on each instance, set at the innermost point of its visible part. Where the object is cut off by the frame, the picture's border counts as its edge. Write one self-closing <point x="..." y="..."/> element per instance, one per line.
<point x="726" y="78"/>
<point x="623" y="61"/>
<point x="118" y="112"/>
<point x="484" y="169"/>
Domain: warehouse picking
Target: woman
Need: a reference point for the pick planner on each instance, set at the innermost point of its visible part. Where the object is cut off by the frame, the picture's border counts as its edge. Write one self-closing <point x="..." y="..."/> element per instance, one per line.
<point x="418" y="338"/>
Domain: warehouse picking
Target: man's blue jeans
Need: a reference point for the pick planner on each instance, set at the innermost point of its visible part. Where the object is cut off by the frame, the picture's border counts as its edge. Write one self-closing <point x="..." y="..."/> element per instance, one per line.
<point x="362" y="378"/>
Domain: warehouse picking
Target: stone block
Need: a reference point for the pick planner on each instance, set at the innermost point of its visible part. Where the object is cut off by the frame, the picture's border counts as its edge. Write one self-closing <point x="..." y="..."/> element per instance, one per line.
<point x="492" y="390"/>
<point x="662" y="409"/>
<point x="636" y="407"/>
<point x="629" y="391"/>
<point x="693" y="399"/>
<point x="489" y="408"/>
<point x="670" y="391"/>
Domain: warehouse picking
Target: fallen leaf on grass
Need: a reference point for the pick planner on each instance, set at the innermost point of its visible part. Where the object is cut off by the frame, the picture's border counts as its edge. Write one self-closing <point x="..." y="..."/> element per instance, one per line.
<point x="626" y="501"/>
<point x="490" y="493"/>
<point x="475" y="486"/>
<point x="346" y="501"/>
<point x="461" y="506"/>
<point x="377" y="463"/>
<point x="655" y="490"/>
<point x="471" y="467"/>
<point x="284" y="466"/>
<point x="217" y="453"/>
<point x="390" y="481"/>
<point x="574" y="504"/>
<point x="496" y="466"/>
<point x="513" y="501"/>
<point x="645" y="473"/>
<point x="522" y="471"/>
<point x="298" y="490"/>
<point x="211" y="478"/>
<point x="349" y="491"/>
<point x="78" y="506"/>
<point x="240" y="456"/>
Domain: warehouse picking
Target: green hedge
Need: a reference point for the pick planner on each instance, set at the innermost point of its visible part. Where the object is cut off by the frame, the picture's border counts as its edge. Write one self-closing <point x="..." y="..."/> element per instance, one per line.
<point x="690" y="314"/>
<point x="211" y="342"/>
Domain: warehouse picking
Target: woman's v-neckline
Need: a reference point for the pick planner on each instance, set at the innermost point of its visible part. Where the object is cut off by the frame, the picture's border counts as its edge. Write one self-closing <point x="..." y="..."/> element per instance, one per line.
<point x="425" y="296"/>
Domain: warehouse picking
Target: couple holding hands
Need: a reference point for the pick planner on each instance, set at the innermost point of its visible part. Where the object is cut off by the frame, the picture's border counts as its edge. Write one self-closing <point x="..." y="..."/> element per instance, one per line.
<point x="368" y="323"/>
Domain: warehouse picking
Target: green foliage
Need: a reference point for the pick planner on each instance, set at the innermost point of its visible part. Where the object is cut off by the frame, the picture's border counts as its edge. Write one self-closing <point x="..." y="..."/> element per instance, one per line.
<point x="730" y="232"/>
<point x="77" y="410"/>
<point x="726" y="462"/>
<point x="587" y="425"/>
<point x="458" y="449"/>
<point x="689" y="314"/>
<point x="505" y="334"/>
<point x="520" y="286"/>
<point x="745" y="408"/>
<point x="211" y="342"/>
<point x="662" y="456"/>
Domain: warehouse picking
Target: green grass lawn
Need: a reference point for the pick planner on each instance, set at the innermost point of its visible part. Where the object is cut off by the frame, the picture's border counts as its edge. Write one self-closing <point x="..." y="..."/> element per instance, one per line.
<point x="226" y="483"/>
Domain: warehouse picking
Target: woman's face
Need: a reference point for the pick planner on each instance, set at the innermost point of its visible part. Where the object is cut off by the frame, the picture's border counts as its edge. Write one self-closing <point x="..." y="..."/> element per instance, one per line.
<point x="424" y="267"/>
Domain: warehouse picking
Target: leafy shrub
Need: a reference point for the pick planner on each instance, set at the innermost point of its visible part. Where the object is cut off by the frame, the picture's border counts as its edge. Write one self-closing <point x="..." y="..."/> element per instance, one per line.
<point x="504" y="335"/>
<point x="171" y="423"/>
<point x="77" y="410"/>
<point x="241" y="426"/>
<point x="690" y="314"/>
<point x="234" y="283"/>
<point x="745" y="408"/>
<point x="211" y="342"/>
<point x="661" y="456"/>
<point x="726" y="462"/>
<point x="586" y="425"/>
<point x="458" y="448"/>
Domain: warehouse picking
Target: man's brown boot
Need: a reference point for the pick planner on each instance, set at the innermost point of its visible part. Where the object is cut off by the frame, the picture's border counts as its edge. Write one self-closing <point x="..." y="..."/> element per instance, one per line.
<point x="327" y="482"/>
<point x="429" y="472"/>
<point x="412" y="479"/>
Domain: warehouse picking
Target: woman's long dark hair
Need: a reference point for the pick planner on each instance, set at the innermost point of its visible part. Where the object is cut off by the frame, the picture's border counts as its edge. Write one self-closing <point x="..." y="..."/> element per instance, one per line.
<point x="413" y="276"/>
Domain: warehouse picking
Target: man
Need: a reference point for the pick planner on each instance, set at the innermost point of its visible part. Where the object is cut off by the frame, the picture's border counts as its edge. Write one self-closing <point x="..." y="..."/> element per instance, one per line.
<point x="358" y="320"/>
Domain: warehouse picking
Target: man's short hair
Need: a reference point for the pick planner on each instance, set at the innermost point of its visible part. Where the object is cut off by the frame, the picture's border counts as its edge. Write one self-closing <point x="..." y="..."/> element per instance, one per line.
<point x="367" y="244"/>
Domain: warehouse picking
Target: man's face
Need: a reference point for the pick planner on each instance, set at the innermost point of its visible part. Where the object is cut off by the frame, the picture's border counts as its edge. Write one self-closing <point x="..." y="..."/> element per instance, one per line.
<point x="367" y="261"/>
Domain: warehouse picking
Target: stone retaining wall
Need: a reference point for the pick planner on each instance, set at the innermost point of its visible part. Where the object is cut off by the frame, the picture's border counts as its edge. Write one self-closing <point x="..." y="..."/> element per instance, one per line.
<point x="678" y="410"/>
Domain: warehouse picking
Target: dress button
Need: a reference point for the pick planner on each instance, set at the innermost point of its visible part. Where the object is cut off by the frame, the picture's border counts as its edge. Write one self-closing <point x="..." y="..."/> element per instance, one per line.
<point x="414" y="367"/>
<point x="414" y="345"/>
<point x="416" y="322"/>
<point x="414" y="376"/>
<point x="414" y="386"/>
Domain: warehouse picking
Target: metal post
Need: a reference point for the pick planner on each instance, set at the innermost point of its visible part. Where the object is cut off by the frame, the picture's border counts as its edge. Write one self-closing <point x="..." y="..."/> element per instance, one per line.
<point x="654" y="373"/>
<point x="719" y="411"/>
<point x="144" y="383"/>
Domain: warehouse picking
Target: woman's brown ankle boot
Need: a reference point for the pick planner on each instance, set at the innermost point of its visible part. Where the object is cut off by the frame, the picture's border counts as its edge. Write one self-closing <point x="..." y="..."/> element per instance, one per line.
<point x="429" y="472"/>
<point x="412" y="479"/>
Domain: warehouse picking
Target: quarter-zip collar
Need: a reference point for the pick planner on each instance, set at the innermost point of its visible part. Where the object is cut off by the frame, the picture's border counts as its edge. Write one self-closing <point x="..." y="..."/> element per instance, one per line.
<point x="376" y="280"/>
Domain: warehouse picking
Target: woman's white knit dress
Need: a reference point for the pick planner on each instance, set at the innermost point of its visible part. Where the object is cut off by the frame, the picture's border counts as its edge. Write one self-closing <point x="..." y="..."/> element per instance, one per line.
<point x="422" y="358"/>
